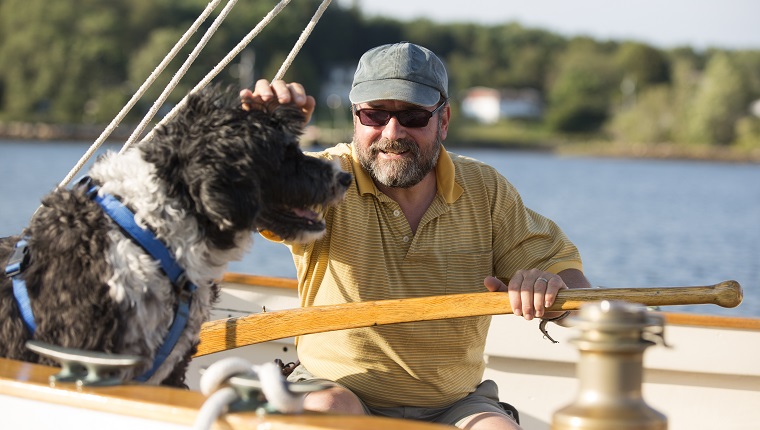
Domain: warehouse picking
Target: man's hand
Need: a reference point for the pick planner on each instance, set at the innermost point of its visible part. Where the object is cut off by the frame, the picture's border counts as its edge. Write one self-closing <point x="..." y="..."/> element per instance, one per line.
<point x="532" y="291"/>
<point x="280" y="92"/>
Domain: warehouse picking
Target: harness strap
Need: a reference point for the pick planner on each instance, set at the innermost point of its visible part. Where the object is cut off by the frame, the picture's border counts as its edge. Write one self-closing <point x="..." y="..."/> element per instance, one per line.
<point x="125" y="218"/>
<point x="17" y="263"/>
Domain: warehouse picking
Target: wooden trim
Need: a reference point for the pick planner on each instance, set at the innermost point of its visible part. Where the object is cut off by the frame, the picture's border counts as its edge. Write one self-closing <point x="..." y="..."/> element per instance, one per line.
<point x="260" y="281"/>
<point x="30" y="381"/>
<point x="165" y="404"/>
<point x="712" y="321"/>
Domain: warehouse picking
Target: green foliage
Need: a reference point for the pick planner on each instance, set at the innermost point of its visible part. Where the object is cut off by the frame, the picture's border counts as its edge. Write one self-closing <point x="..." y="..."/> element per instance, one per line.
<point x="720" y="101"/>
<point x="649" y="120"/>
<point x="642" y="63"/>
<point x="74" y="61"/>
<point x="748" y="133"/>
<point x="583" y="84"/>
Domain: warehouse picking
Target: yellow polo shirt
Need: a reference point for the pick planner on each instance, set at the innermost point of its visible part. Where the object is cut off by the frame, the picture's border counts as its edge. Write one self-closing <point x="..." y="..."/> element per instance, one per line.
<point x="475" y="227"/>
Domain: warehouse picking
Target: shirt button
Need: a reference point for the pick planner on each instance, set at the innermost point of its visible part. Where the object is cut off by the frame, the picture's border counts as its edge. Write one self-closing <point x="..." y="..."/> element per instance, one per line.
<point x="406" y="238"/>
<point x="396" y="212"/>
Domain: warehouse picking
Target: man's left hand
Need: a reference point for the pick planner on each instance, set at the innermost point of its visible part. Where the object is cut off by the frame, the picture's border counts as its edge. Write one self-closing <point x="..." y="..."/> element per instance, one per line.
<point x="530" y="292"/>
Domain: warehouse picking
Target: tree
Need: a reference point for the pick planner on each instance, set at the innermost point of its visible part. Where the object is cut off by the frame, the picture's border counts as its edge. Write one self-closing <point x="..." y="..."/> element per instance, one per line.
<point x="719" y="102"/>
<point x="650" y="120"/>
<point x="642" y="63"/>
<point x="59" y="57"/>
<point x="580" y="91"/>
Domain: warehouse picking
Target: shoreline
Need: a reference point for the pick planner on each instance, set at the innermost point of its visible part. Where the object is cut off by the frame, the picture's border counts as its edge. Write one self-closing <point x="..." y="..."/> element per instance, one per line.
<point x="60" y="132"/>
<point x="19" y="131"/>
<point x="663" y="151"/>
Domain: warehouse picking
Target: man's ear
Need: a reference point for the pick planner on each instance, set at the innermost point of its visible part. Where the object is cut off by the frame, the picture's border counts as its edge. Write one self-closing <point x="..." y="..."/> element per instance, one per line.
<point x="445" y="117"/>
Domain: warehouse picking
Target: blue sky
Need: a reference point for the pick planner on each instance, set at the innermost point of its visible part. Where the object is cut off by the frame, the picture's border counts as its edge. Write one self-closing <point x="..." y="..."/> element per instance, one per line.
<point x="732" y="24"/>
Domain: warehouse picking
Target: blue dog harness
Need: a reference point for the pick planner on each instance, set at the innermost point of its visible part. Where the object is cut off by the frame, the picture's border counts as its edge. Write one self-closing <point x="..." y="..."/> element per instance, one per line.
<point x="17" y="263"/>
<point x="125" y="218"/>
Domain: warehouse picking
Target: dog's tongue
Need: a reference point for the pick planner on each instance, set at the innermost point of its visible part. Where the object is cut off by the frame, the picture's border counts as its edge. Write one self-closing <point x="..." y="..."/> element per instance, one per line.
<point x="305" y="213"/>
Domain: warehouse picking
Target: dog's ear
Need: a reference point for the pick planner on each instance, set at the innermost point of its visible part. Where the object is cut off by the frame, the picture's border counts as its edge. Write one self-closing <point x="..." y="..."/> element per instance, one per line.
<point x="227" y="206"/>
<point x="205" y="101"/>
<point x="290" y="119"/>
<point x="204" y="156"/>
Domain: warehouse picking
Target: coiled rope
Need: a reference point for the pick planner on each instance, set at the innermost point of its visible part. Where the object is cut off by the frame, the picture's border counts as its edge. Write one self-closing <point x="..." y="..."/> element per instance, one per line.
<point x="186" y="65"/>
<point x="219" y="395"/>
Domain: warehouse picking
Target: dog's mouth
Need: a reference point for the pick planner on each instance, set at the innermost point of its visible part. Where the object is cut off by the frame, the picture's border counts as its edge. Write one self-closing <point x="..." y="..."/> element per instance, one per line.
<point x="310" y="216"/>
<point x="302" y="221"/>
<point x="292" y="223"/>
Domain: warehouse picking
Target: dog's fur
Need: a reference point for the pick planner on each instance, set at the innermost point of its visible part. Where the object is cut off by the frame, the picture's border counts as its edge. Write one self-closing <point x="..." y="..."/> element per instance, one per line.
<point x="205" y="182"/>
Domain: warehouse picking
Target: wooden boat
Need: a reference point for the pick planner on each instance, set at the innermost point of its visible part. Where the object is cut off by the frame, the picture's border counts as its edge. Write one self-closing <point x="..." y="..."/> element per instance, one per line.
<point x="708" y="377"/>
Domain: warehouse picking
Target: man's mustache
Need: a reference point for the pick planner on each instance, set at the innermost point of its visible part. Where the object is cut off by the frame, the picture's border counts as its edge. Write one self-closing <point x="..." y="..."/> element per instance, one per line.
<point x="398" y="145"/>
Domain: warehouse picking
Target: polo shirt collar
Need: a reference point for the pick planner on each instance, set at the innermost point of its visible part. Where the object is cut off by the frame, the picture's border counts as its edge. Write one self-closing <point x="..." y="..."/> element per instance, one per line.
<point x="445" y="175"/>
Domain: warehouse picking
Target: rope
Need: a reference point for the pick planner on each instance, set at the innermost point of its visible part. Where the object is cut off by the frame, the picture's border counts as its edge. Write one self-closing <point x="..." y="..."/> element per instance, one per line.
<point x="222" y="64"/>
<point x="140" y="92"/>
<point x="220" y="396"/>
<point x="301" y="40"/>
<point x="185" y="66"/>
<point x="180" y="73"/>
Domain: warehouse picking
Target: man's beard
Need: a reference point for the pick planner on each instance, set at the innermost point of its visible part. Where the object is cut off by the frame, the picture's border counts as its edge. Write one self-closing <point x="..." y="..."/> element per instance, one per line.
<point x="400" y="173"/>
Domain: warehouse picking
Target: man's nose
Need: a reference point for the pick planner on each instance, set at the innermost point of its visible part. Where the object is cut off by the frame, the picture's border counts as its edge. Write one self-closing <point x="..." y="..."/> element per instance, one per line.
<point x="394" y="130"/>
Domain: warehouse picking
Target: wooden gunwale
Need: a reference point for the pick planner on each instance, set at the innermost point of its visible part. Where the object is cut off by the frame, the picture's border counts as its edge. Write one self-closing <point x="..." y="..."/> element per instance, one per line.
<point x="162" y="404"/>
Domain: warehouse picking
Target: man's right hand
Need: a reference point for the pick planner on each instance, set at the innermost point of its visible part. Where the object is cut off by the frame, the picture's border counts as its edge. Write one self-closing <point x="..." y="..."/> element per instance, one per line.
<point x="279" y="92"/>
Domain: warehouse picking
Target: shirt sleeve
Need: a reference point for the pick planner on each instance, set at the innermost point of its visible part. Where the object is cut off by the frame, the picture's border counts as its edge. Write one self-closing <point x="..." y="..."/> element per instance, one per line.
<point x="525" y="239"/>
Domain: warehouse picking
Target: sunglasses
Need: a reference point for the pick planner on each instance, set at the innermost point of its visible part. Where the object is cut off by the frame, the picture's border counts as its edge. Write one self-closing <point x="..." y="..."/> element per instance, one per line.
<point x="411" y="118"/>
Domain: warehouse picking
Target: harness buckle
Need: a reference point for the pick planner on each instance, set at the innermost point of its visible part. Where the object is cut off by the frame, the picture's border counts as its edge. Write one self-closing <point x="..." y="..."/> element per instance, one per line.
<point x="19" y="260"/>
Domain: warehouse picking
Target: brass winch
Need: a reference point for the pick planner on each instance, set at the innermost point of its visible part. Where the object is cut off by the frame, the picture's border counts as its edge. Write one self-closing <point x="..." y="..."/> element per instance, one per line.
<point x="613" y="338"/>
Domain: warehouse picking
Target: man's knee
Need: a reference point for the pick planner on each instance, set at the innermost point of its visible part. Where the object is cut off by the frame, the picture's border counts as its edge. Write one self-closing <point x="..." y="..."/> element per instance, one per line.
<point x="337" y="400"/>
<point x="488" y="420"/>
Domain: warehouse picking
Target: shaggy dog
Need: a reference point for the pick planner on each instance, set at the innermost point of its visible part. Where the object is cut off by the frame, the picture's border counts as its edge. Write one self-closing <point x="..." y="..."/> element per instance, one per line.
<point x="208" y="179"/>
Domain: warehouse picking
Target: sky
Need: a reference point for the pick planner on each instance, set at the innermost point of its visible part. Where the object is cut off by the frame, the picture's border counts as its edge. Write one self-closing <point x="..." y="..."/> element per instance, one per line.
<point x="728" y="24"/>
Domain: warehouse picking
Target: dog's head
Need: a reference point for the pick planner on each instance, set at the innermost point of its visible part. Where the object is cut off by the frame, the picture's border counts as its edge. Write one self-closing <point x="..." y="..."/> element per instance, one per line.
<point x="240" y="170"/>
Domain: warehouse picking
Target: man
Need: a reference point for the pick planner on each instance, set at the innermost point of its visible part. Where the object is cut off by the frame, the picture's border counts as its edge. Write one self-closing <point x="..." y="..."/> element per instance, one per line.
<point x="417" y="221"/>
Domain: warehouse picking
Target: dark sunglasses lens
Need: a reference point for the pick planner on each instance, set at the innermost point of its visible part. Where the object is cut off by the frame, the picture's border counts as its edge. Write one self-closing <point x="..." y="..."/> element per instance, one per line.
<point x="374" y="117"/>
<point x="414" y="118"/>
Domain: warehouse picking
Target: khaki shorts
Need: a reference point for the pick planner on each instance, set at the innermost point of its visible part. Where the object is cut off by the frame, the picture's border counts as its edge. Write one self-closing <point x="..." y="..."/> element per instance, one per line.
<point x="485" y="398"/>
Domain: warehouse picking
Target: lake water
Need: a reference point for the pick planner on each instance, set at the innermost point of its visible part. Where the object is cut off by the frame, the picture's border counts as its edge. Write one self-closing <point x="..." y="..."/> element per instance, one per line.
<point x="637" y="223"/>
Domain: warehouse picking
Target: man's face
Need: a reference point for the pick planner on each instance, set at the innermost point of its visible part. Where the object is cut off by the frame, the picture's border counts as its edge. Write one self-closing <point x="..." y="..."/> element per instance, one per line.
<point x="398" y="156"/>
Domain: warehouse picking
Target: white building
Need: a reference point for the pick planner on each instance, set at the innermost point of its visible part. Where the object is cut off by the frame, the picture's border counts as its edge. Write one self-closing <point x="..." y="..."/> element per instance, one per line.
<point x="488" y="105"/>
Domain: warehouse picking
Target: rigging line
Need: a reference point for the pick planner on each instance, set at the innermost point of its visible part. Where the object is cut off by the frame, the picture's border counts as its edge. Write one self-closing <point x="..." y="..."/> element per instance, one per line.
<point x="140" y="92"/>
<point x="222" y="64"/>
<point x="301" y="40"/>
<point x="179" y="74"/>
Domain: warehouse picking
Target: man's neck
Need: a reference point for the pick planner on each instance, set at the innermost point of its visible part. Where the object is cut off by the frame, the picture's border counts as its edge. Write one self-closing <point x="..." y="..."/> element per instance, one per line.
<point x="414" y="201"/>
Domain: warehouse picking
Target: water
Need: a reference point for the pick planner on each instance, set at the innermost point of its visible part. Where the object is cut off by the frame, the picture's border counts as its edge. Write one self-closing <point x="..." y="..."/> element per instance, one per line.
<point x="637" y="223"/>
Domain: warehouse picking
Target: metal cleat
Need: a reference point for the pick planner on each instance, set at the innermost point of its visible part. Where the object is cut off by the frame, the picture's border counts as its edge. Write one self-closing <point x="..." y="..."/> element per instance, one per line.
<point x="85" y="368"/>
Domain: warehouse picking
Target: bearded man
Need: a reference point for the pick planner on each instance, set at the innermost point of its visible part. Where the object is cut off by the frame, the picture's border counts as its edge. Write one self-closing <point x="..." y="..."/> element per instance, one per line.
<point x="416" y="221"/>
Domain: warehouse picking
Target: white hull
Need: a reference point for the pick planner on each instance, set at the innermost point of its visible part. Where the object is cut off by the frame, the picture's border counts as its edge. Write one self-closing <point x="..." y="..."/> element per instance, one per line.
<point x="708" y="379"/>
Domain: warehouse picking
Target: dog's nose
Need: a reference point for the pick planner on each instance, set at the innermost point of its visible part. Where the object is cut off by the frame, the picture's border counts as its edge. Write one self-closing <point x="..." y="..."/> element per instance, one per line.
<point x="344" y="179"/>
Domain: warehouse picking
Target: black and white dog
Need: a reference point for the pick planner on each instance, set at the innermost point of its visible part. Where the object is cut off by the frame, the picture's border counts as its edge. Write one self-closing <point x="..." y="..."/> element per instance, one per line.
<point x="194" y="193"/>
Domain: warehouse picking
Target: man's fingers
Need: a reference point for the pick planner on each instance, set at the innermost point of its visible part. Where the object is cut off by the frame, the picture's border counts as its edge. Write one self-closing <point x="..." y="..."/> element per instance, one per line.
<point x="514" y="288"/>
<point x="532" y="291"/>
<point x="527" y="290"/>
<point x="554" y="285"/>
<point x="540" y="286"/>
<point x="263" y="90"/>
<point x="494" y="284"/>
